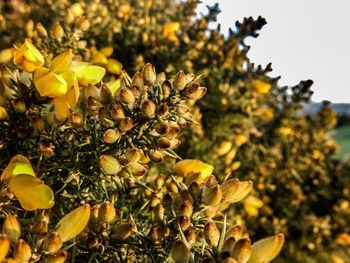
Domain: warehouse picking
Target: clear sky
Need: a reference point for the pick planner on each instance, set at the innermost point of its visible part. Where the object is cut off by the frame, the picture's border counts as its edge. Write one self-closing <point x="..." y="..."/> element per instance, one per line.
<point x="304" y="39"/>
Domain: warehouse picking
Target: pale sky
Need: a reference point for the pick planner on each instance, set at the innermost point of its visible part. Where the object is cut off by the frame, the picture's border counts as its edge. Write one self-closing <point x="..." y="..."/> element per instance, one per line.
<point x="304" y="39"/>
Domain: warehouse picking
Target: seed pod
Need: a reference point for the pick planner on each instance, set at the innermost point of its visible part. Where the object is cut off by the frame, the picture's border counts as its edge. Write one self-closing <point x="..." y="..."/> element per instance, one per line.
<point x="126" y="124"/>
<point x="148" y="109"/>
<point x="211" y="233"/>
<point x="126" y="96"/>
<point x="109" y="164"/>
<point x="180" y="81"/>
<point x="137" y="80"/>
<point x="123" y="231"/>
<point x="156" y="156"/>
<point x="76" y="119"/>
<point x="106" y="213"/>
<point x="117" y="112"/>
<point x="149" y="74"/>
<point x="52" y="243"/>
<point x="212" y="196"/>
<point x="4" y="246"/>
<point x="19" y="105"/>
<point x="180" y="253"/>
<point x="242" y="250"/>
<point x="11" y="228"/>
<point x="22" y="252"/>
<point x="58" y="257"/>
<point x="110" y="136"/>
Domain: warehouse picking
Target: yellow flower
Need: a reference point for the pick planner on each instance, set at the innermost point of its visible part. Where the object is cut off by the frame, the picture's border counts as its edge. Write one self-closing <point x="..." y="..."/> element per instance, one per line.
<point x="88" y="74"/>
<point x="169" y="31"/>
<point x="261" y="87"/>
<point x="252" y="204"/>
<point x="28" y="56"/>
<point x="30" y="191"/>
<point x="194" y="170"/>
<point x="114" y="66"/>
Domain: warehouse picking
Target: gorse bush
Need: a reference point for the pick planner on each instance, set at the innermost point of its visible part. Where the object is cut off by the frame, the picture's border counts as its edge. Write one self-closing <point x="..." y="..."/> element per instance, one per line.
<point x="91" y="141"/>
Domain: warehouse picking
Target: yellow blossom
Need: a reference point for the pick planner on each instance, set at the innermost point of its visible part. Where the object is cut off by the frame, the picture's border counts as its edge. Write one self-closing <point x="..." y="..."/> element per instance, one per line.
<point x="169" y="31"/>
<point x="6" y="55"/>
<point x="252" y="204"/>
<point x="28" y="56"/>
<point x="114" y="66"/>
<point x="194" y="170"/>
<point x="88" y="74"/>
<point x="261" y="87"/>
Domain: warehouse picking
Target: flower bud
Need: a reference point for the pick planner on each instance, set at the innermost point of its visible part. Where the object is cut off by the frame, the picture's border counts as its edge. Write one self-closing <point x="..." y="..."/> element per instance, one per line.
<point x="22" y="252"/>
<point x="114" y="66"/>
<point x="117" y="112"/>
<point x="52" y="243"/>
<point x="137" y="80"/>
<point x="211" y="233"/>
<point x="109" y="164"/>
<point x="40" y="29"/>
<point x="184" y="222"/>
<point x="11" y="228"/>
<point x="38" y="124"/>
<point x="76" y="119"/>
<point x="228" y="245"/>
<point x="180" y="81"/>
<point x="194" y="190"/>
<point x="232" y="193"/>
<point x="167" y="201"/>
<point x="160" y="180"/>
<point x="126" y="96"/>
<point x="156" y="156"/>
<point x="58" y="31"/>
<point x="41" y="227"/>
<point x="47" y="149"/>
<point x="19" y="105"/>
<point x="149" y="74"/>
<point x="106" y="213"/>
<point x="155" y="234"/>
<point x="242" y="250"/>
<point x="126" y="124"/>
<point x="4" y="246"/>
<point x="58" y="257"/>
<point x="229" y="260"/>
<point x="93" y="104"/>
<point x="236" y="232"/>
<point x="166" y="89"/>
<point x="212" y="196"/>
<point x="133" y="155"/>
<point x="180" y="253"/>
<point x="148" y="109"/>
<point x="186" y="209"/>
<point x="266" y="249"/>
<point x="123" y="231"/>
<point x="162" y="128"/>
<point x="110" y="136"/>
<point x="137" y="169"/>
<point x="159" y="212"/>
<point x="190" y="235"/>
<point x="163" y="142"/>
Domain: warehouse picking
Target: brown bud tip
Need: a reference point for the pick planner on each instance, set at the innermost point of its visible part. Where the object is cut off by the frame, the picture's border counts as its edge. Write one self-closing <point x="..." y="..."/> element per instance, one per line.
<point x="242" y="250"/>
<point x="180" y="81"/>
<point x="184" y="222"/>
<point x="148" y="109"/>
<point x="22" y="252"/>
<point x="75" y="119"/>
<point x="58" y="257"/>
<point x="52" y="243"/>
<point x="126" y="96"/>
<point x="149" y="74"/>
<point x="211" y="233"/>
<point x="180" y="253"/>
<point x="126" y="124"/>
<point x="212" y="196"/>
<point x="156" y="156"/>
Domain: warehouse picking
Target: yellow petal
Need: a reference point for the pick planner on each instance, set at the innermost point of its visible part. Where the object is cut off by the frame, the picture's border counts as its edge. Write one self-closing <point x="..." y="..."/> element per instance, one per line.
<point x="99" y="58"/>
<point x="62" y="62"/>
<point x="31" y="192"/>
<point x="90" y="75"/>
<point x="62" y="111"/>
<point x="191" y="166"/>
<point x="28" y="57"/>
<point x="113" y="85"/>
<point x="114" y="66"/>
<point x="50" y="84"/>
<point x="266" y="249"/>
<point x="32" y="53"/>
<point x="4" y="246"/>
<point x="251" y="210"/>
<point x="262" y="87"/>
<point x="6" y="55"/>
<point x="73" y="223"/>
<point x="19" y="164"/>
<point x="107" y="51"/>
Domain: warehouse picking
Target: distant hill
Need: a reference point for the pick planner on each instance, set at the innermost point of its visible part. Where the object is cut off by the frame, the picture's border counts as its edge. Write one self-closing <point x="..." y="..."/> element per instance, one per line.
<point x="342" y="109"/>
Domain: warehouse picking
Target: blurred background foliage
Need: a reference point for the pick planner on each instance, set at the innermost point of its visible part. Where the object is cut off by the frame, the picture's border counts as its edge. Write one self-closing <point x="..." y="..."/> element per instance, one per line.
<point x="251" y="127"/>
